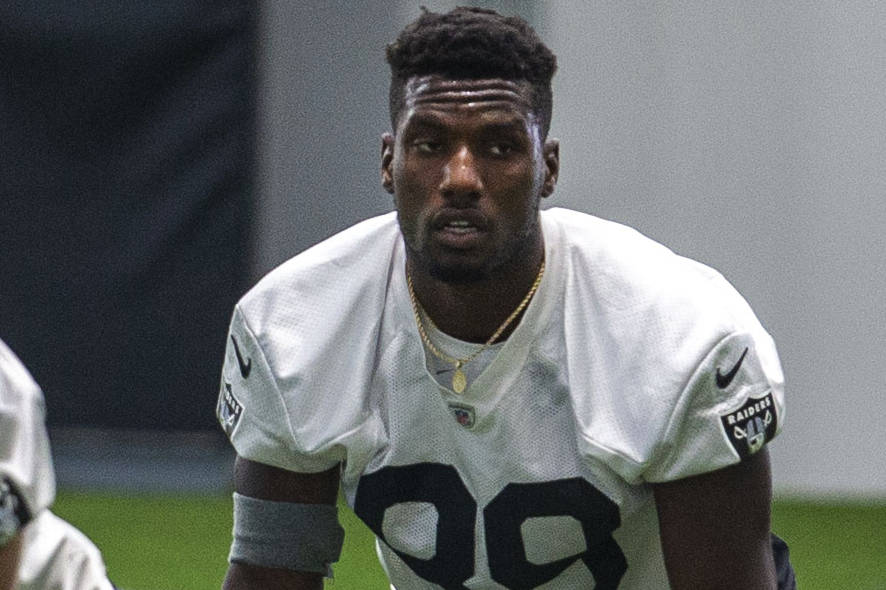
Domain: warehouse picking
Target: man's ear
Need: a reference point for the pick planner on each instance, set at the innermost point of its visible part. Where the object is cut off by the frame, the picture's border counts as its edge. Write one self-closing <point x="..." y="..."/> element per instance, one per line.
<point x="387" y="160"/>
<point x="551" y="155"/>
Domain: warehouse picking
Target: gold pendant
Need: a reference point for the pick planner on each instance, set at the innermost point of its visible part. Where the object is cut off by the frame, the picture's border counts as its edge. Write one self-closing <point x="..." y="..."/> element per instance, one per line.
<point x="459" y="381"/>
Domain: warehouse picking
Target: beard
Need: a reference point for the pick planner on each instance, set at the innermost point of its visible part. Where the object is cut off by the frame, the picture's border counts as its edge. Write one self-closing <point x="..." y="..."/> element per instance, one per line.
<point x="457" y="275"/>
<point x="508" y="258"/>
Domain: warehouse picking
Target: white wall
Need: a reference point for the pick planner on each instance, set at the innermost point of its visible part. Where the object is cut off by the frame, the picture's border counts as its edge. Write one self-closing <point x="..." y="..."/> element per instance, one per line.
<point x="322" y="110"/>
<point x="752" y="136"/>
<point x="749" y="135"/>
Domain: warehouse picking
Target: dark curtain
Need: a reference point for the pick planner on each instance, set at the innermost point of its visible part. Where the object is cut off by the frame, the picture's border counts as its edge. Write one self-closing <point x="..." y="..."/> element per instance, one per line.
<point x="126" y="179"/>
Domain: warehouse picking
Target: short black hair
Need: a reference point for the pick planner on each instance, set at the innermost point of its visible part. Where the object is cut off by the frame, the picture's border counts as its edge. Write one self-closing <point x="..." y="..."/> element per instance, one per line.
<point x="472" y="43"/>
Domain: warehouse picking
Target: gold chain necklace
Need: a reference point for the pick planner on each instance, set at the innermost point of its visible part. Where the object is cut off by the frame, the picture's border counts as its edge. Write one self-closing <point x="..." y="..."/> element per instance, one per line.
<point x="459" y="381"/>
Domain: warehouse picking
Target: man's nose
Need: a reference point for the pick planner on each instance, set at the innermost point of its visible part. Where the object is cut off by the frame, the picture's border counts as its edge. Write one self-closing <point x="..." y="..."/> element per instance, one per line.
<point x="461" y="176"/>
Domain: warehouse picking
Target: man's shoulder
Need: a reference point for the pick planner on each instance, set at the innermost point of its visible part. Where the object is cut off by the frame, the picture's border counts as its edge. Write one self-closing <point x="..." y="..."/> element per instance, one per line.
<point x="290" y="338"/>
<point x="606" y="244"/>
<point x="646" y="297"/>
<point x="341" y="265"/>
<point x="627" y="266"/>
<point x="17" y="386"/>
<point x="27" y="482"/>
<point x="662" y="327"/>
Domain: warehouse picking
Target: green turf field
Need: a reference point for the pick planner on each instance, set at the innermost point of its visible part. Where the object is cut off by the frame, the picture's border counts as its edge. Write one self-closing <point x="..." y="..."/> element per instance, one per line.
<point x="181" y="542"/>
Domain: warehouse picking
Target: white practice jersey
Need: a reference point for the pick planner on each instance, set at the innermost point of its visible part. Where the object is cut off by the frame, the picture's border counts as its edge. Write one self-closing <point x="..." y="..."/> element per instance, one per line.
<point x="55" y="555"/>
<point x="631" y="365"/>
<point x="27" y="479"/>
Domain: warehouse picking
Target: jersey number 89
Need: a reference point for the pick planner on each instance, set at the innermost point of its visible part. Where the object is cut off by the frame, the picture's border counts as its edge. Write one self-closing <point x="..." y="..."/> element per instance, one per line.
<point x="453" y="561"/>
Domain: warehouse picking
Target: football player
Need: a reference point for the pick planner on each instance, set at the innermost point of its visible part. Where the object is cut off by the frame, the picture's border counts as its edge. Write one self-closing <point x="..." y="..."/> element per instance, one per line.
<point x="508" y="397"/>
<point x="38" y="550"/>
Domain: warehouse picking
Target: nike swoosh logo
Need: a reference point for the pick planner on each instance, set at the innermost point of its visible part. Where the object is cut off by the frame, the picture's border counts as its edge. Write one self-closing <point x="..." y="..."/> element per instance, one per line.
<point x="723" y="381"/>
<point x="245" y="366"/>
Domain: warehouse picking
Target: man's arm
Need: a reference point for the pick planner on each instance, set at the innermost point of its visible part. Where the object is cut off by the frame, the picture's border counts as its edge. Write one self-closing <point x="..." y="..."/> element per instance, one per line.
<point x="270" y="483"/>
<point x="715" y="527"/>
<point x="9" y="557"/>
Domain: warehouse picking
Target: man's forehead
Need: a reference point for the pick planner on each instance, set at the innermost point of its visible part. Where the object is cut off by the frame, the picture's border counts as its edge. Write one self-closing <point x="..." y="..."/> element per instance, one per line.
<point x="492" y="100"/>
<point x="438" y="90"/>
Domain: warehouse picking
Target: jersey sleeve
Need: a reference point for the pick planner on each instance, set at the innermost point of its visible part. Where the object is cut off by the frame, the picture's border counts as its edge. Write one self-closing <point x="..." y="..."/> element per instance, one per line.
<point x="27" y="479"/>
<point x="57" y="555"/>
<point x="301" y="353"/>
<point x="732" y="405"/>
<point x="253" y="412"/>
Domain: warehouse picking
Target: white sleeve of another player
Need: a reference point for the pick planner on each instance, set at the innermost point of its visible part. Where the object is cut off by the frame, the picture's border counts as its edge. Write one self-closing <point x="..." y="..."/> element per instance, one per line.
<point x="254" y="414"/>
<point x="25" y="461"/>
<point x="731" y="407"/>
<point x="57" y="555"/>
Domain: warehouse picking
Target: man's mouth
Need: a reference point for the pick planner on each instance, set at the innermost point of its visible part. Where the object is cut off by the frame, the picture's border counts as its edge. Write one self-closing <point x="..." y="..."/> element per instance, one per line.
<point x="460" y="230"/>
<point x="460" y="227"/>
<point x="460" y="220"/>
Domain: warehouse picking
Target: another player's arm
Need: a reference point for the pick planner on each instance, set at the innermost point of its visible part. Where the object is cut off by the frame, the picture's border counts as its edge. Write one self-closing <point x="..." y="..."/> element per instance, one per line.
<point x="9" y="558"/>
<point x="715" y="527"/>
<point x="270" y="483"/>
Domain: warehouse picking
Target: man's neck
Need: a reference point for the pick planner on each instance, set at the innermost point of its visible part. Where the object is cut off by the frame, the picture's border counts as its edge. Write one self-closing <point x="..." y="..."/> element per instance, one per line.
<point x="474" y="311"/>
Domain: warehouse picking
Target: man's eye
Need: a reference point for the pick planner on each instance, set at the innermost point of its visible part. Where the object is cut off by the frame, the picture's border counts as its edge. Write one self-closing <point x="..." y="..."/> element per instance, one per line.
<point x="428" y="147"/>
<point x="501" y="149"/>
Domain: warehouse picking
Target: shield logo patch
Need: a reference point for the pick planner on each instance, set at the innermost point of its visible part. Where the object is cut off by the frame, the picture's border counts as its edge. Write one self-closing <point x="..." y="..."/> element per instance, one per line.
<point x="464" y="415"/>
<point x="229" y="410"/>
<point x="752" y="425"/>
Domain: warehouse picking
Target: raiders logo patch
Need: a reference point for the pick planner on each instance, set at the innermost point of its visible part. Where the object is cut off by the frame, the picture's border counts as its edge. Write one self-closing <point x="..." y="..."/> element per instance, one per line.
<point x="752" y="425"/>
<point x="464" y="415"/>
<point x="229" y="410"/>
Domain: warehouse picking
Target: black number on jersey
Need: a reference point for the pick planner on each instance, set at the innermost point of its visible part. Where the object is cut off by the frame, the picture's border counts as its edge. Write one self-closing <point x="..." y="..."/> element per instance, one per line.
<point x="453" y="561"/>
<point x="436" y="484"/>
